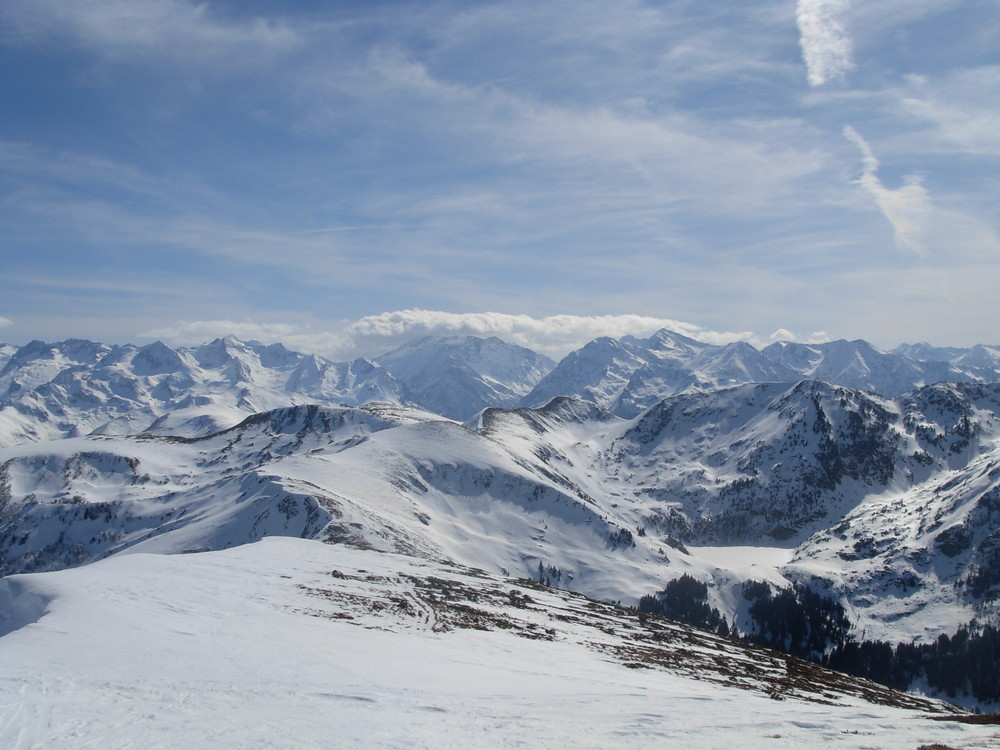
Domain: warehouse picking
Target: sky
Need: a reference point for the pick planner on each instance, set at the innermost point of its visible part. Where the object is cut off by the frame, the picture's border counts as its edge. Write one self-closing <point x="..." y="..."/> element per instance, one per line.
<point x="344" y="176"/>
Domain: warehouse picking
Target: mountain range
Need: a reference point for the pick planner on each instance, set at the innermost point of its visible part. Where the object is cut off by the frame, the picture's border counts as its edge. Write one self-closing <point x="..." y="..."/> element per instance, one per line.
<point x="889" y="505"/>
<point x="628" y="465"/>
<point x="76" y="387"/>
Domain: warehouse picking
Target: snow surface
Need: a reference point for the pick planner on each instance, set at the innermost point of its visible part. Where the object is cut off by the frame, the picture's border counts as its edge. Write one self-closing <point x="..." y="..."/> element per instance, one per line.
<point x="247" y="648"/>
<point x="750" y="562"/>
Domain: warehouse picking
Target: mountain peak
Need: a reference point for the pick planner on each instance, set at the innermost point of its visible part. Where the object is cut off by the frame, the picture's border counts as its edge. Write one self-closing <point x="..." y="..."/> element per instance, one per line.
<point x="156" y="359"/>
<point x="458" y="376"/>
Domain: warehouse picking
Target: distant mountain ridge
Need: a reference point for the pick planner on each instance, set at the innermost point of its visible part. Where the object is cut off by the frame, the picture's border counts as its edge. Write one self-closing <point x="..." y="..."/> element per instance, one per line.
<point x="630" y="374"/>
<point x="78" y="387"/>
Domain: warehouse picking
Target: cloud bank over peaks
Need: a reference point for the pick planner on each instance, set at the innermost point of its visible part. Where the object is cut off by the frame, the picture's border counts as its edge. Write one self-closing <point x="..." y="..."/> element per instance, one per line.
<point x="783" y="334"/>
<point x="907" y="209"/>
<point x="554" y="335"/>
<point x="826" y="46"/>
<point x="373" y="335"/>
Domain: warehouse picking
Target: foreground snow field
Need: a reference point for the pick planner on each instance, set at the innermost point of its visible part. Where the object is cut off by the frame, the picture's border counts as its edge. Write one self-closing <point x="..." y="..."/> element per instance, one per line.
<point x="290" y="643"/>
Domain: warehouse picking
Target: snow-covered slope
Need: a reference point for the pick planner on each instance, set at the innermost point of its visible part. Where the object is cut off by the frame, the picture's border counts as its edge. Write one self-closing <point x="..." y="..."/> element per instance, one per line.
<point x="711" y="368"/>
<point x="982" y="361"/>
<point x="294" y="644"/>
<point x="866" y="496"/>
<point x="76" y="500"/>
<point x="457" y="376"/>
<point x="603" y="369"/>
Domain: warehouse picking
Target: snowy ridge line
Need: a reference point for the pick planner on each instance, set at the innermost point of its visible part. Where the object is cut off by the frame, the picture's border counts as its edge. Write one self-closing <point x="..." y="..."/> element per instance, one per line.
<point x="74" y="387"/>
<point x="630" y="374"/>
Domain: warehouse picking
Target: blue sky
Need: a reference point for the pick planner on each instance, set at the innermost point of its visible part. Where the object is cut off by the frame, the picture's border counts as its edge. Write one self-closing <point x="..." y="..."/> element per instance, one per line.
<point x="343" y="176"/>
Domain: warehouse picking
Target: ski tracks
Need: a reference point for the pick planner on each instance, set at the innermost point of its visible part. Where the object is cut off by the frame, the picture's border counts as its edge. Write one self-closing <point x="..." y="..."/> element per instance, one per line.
<point x="24" y="716"/>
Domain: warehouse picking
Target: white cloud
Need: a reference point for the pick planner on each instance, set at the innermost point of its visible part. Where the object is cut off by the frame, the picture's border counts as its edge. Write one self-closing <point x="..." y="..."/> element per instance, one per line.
<point x="964" y="105"/>
<point x="907" y="208"/>
<point x="826" y="45"/>
<point x="816" y="337"/>
<point x="123" y="29"/>
<point x="4" y="322"/>
<point x="555" y="335"/>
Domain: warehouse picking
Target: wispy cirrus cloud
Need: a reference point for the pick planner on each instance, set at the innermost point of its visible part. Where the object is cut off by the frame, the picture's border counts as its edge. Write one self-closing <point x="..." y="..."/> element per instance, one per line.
<point x="826" y="45"/>
<point x="964" y="106"/>
<point x="907" y="208"/>
<point x="127" y="30"/>
<point x="316" y="162"/>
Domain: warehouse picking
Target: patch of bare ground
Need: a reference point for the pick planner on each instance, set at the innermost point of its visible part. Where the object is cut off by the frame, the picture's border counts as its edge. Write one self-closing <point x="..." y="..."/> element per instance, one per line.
<point x="457" y="598"/>
<point x="970" y="718"/>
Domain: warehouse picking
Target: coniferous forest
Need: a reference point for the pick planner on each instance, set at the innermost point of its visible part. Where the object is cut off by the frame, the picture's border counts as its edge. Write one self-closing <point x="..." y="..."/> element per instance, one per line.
<point x="803" y="623"/>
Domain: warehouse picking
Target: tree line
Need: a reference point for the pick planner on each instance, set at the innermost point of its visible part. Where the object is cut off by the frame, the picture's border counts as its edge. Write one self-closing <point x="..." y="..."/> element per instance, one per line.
<point x="803" y="623"/>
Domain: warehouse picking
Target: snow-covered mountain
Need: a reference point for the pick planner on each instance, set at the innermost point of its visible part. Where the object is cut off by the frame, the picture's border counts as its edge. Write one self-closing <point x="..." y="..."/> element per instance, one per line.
<point x="888" y="505"/>
<point x="458" y="376"/>
<point x="857" y="364"/>
<point x="78" y="387"/>
<point x="295" y="644"/>
<point x="75" y="388"/>
<point x="630" y="374"/>
<point x="866" y="498"/>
